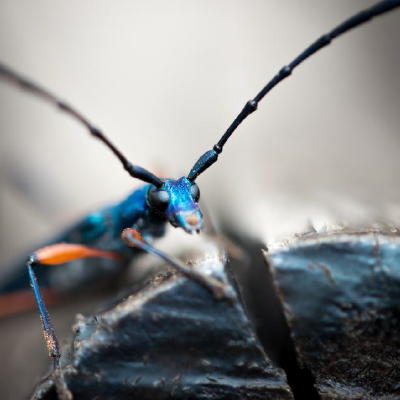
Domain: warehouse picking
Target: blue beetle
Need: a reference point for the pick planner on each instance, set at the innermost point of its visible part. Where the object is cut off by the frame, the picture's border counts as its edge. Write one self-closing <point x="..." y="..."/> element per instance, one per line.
<point x="115" y="234"/>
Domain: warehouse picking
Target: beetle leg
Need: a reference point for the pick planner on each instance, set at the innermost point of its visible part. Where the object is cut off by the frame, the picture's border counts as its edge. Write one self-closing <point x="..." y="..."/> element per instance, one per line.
<point x="132" y="238"/>
<point x="53" y="255"/>
<point x="48" y="330"/>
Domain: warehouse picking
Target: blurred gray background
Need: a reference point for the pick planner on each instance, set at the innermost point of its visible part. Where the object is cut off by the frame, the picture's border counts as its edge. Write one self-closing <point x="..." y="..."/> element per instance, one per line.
<point x="164" y="79"/>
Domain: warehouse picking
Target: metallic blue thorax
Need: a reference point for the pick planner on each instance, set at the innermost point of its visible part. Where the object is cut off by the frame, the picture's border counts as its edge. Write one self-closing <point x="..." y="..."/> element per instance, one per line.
<point x="103" y="228"/>
<point x="134" y="212"/>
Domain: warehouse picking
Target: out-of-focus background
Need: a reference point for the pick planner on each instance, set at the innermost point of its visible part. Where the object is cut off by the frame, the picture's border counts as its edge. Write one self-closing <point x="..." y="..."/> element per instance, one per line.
<point x="165" y="79"/>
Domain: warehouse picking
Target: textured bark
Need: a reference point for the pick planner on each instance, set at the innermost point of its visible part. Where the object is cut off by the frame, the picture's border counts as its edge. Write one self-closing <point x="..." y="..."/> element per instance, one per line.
<point x="340" y="294"/>
<point x="171" y="339"/>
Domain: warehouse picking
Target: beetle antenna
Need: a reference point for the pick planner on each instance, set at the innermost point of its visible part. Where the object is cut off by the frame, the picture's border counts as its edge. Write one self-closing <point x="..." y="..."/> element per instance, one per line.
<point x="25" y="84"/>
<point x="211" y="156"/>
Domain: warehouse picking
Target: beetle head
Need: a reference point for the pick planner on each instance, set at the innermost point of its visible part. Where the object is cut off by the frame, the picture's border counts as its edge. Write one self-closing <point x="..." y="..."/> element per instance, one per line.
<point x="177" y="202"/>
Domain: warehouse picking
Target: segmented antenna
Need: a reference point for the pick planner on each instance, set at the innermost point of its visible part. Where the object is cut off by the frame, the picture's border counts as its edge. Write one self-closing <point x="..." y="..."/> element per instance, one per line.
<point x="211" y="156"/>
<point x="25" y="84"/>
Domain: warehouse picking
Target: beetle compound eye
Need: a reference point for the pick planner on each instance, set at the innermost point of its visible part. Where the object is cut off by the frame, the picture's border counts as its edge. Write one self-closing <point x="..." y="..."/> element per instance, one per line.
<point x="195" y="192"/>
<point x="159" y="199"/>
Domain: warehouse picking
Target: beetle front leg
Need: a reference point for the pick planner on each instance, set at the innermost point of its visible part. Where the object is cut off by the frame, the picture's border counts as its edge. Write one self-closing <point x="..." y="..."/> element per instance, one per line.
<point x="54" y="255"/>
<point x="133" y="238"/>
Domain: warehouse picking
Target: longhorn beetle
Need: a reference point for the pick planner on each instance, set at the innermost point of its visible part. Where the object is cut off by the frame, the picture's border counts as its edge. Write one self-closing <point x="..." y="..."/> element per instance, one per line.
<point x="117" y="233"/>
